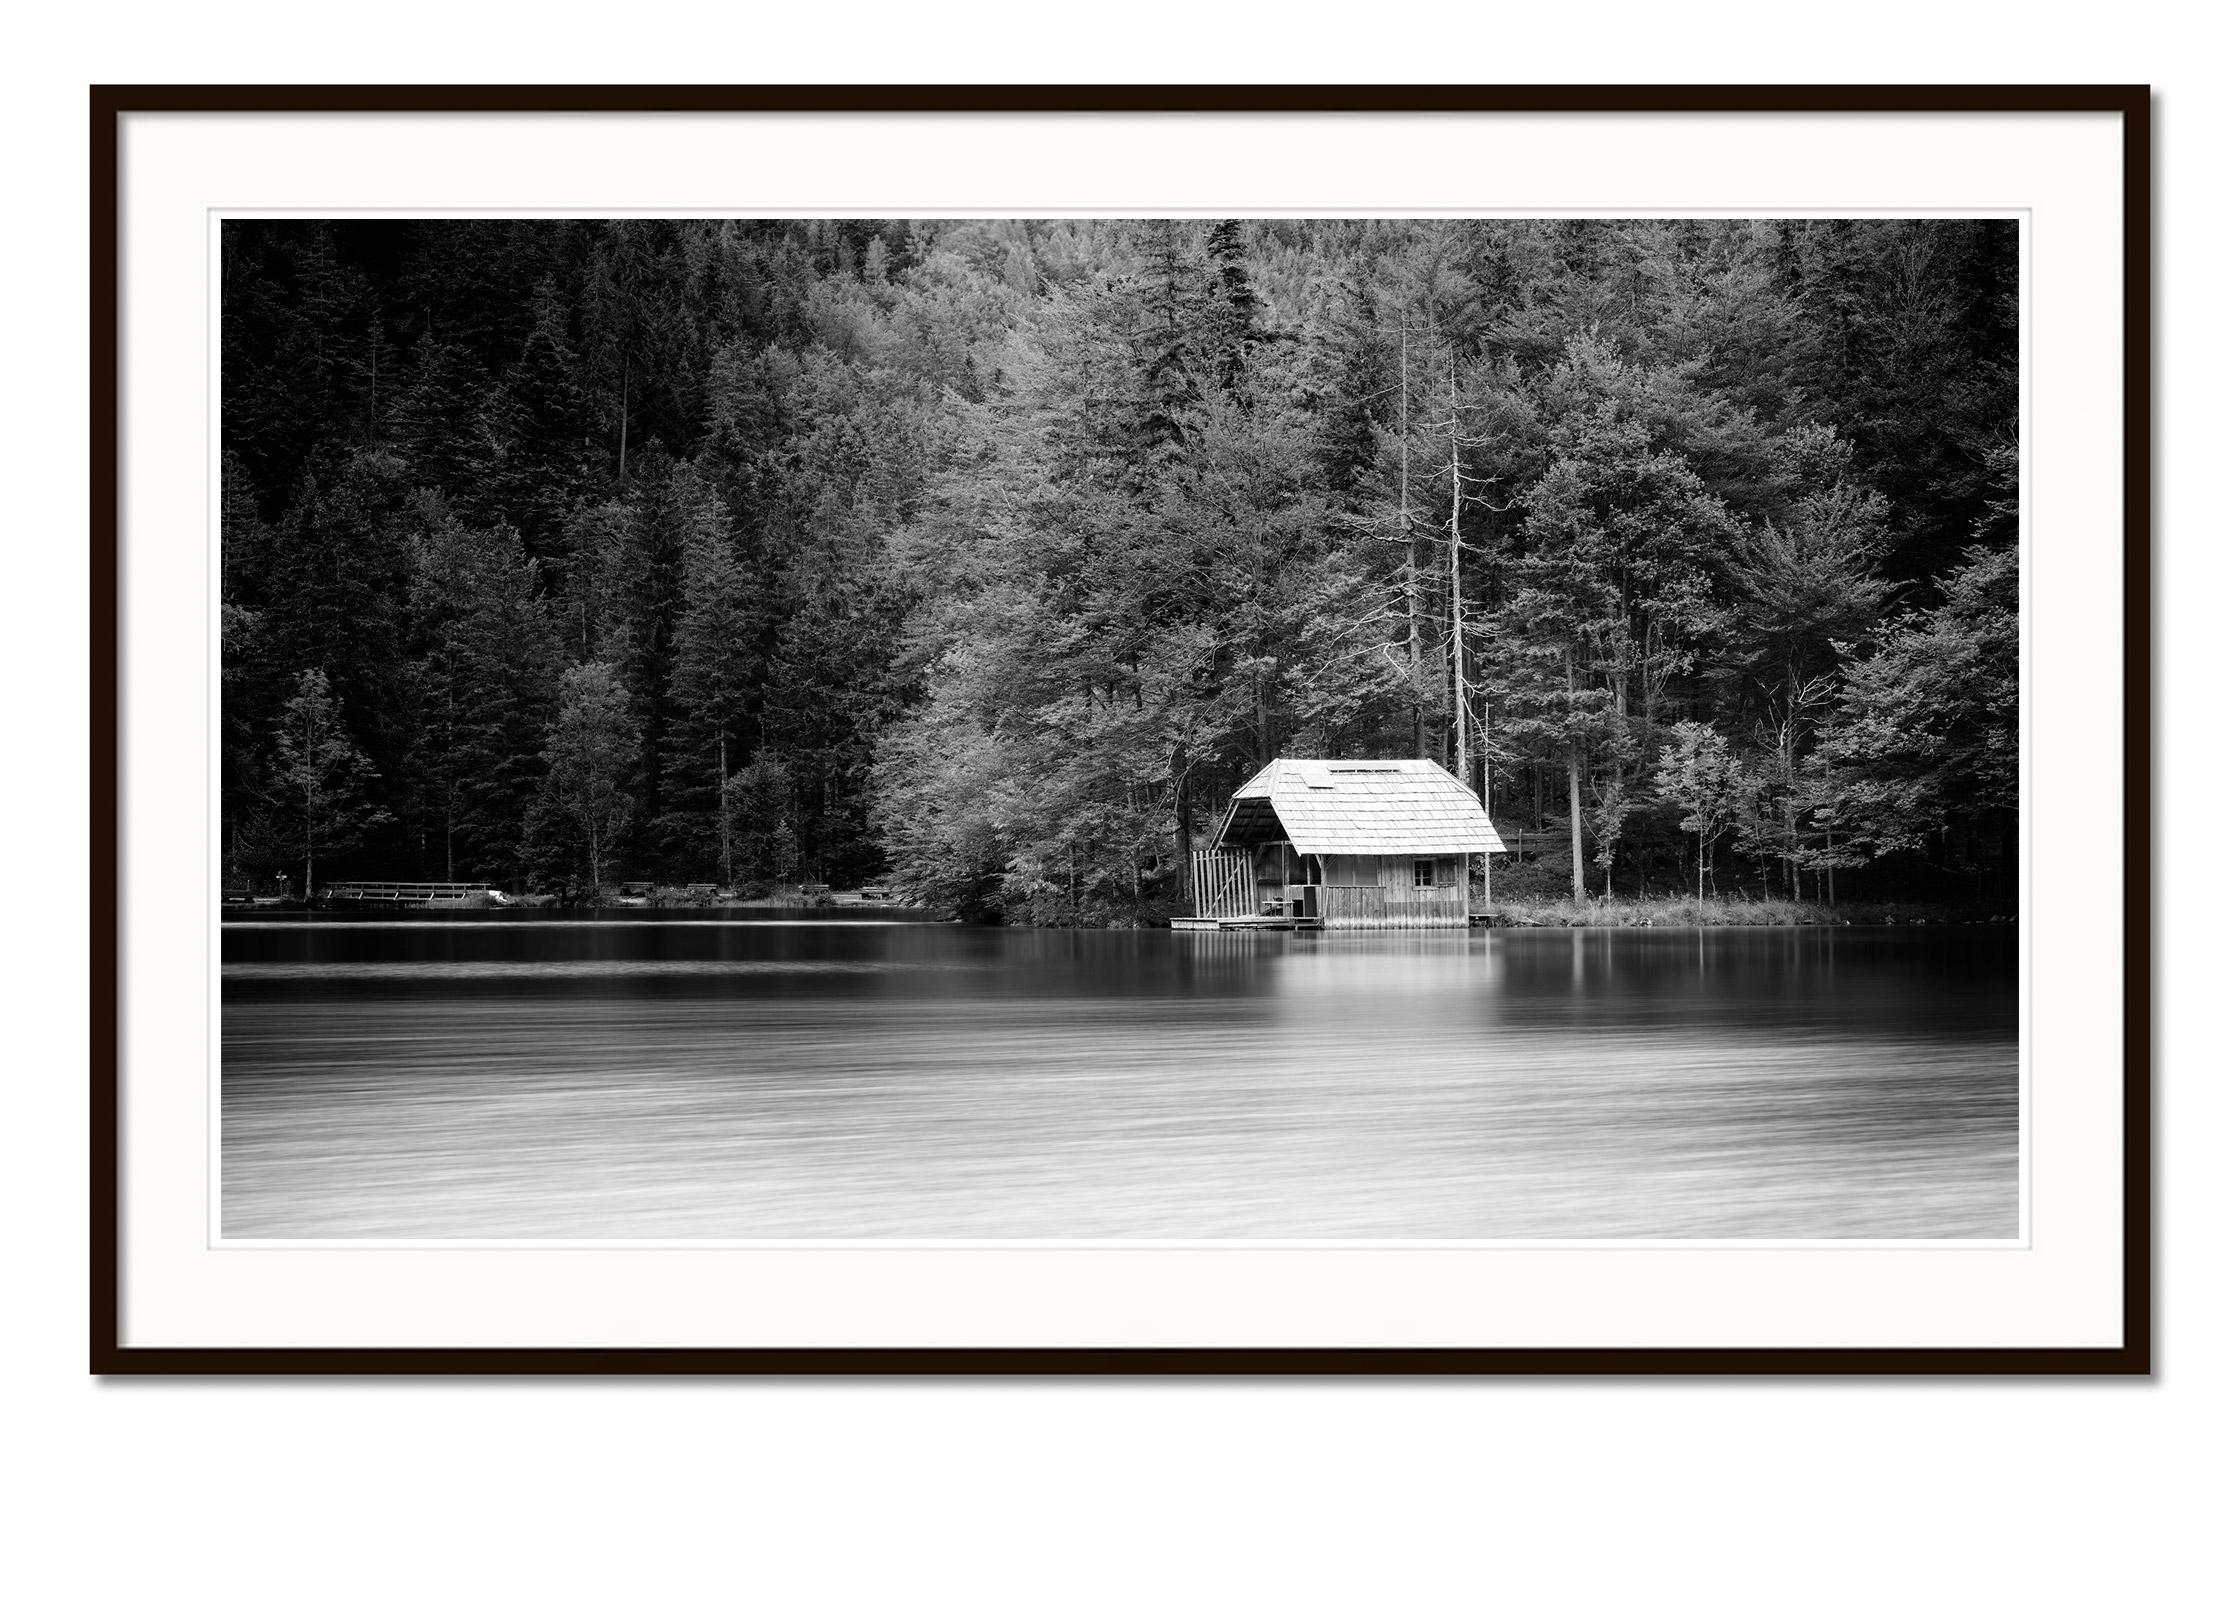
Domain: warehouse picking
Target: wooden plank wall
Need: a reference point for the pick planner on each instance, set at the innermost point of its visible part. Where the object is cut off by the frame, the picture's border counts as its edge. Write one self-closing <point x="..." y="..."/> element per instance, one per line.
<point x="1383" y="906"/>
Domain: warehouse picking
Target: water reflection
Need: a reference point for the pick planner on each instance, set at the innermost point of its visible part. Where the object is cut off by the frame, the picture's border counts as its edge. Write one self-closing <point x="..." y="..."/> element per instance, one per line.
<point x="706" y="1079"/>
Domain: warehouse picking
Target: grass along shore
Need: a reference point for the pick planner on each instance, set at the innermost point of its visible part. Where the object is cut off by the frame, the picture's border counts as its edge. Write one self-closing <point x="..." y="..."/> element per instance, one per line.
<point x="1685" y="911"/>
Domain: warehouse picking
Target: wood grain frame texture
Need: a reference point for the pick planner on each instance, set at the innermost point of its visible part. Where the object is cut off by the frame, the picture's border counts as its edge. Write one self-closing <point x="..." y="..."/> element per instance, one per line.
<point x="2133" y="1357"/>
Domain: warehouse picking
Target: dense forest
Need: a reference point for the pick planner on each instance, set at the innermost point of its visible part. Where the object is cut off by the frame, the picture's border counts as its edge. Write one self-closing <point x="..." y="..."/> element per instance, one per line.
<point x="986" y="557"/>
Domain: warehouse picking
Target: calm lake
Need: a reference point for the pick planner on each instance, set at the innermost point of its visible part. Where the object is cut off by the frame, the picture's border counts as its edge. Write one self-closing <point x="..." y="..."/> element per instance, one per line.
<point x="684" y="1076"/>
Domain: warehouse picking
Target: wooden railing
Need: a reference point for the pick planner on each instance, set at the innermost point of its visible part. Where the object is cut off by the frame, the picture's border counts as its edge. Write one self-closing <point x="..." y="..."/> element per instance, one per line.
<point x="408" y="893"/>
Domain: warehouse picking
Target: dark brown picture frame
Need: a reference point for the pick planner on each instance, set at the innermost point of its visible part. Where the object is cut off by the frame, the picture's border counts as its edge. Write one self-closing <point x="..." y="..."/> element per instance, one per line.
<point x="111" y="103"/>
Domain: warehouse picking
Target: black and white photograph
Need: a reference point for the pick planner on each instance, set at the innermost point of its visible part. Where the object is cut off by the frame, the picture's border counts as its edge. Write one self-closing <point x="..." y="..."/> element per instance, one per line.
<point x="1114" y="804"/>
<point x="1120" y="729"/>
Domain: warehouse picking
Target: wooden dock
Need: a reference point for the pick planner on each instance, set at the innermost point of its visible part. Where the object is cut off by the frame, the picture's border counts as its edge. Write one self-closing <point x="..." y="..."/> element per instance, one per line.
<point x="1227" y="924"/>
<point x="1478" y="918"/>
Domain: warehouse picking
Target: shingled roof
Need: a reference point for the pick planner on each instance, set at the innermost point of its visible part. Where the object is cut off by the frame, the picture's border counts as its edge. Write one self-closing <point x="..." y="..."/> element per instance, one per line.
<point x="1364" y="808"/>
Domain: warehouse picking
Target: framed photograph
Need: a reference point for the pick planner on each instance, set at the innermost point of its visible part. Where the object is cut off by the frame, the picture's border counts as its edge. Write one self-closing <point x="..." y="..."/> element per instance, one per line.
<point x="1121" y="730"/>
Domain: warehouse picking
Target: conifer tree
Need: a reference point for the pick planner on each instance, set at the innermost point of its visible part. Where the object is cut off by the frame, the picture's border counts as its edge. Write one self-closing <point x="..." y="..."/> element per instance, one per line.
<point x="484" y="685"/>
<point x="534" y="436"/>
<point x="713" y="723"/>
<point x="668" y="510"/>
<point x="438" y="419"/>
<point x="1168" y="345"/>
<point x="1235" y="312"/>
<point x="332" y="593"/>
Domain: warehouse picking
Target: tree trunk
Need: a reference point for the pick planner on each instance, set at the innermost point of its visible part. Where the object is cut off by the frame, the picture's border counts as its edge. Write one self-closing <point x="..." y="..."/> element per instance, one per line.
<point x="1578" y="844"/>
<point x="1578" y="853"/>
<point x="622" y="448"/>
<point x="1454" y="575"/>
<point x="1182" y="837"/>
<point x="1408" y="534"/>
<point x="1485" y="767"/>
<point x="723" y="801"/>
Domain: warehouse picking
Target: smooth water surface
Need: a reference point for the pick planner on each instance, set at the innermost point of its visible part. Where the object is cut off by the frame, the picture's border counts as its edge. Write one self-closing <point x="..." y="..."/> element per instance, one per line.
<point x="707" y="1078"/>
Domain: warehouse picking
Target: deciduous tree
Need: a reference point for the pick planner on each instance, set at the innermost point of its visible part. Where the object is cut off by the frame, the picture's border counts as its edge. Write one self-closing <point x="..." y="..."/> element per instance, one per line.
<point x="1699" y="774"/>
<point x="584" y="802"/>
<point x="319" y="778"/>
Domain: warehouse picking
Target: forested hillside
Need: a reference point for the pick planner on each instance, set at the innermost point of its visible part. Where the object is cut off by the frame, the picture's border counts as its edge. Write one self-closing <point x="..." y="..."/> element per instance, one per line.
<point x="988" y="556"/>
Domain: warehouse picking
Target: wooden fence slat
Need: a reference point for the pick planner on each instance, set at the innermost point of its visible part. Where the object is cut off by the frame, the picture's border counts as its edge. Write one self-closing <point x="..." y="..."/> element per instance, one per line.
<point x="1221" y="883"/>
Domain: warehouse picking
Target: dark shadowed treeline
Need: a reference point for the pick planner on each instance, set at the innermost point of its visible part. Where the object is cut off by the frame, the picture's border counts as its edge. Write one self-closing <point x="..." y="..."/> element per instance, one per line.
<point x="989" y="555"/>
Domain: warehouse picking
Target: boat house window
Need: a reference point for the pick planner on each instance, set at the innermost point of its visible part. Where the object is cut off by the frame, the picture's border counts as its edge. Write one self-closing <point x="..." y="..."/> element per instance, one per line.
<point x="1426" y="874"/>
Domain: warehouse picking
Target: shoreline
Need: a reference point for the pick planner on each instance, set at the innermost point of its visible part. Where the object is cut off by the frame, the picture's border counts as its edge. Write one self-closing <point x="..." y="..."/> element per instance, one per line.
<point x="1667" y="914"/>
<point x="1689" y="912"/>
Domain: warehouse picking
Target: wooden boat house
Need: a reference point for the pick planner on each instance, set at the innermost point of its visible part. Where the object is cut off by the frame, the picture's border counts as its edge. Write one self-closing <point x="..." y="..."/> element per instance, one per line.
<point x="1343" y="844"/>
